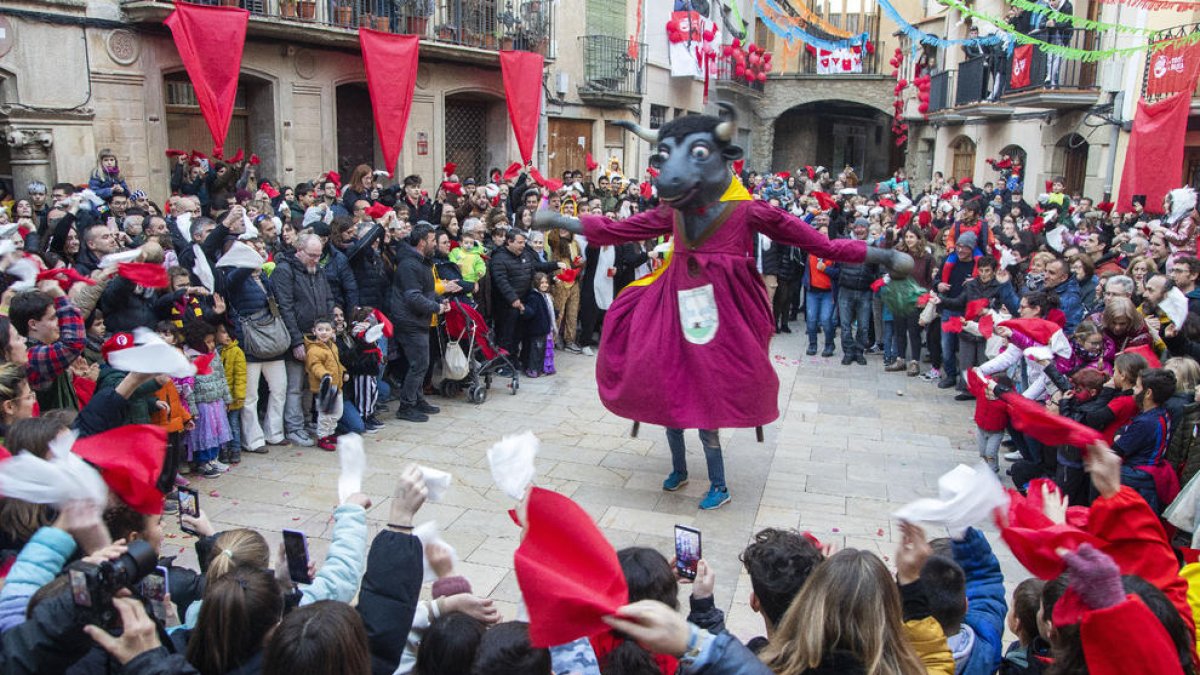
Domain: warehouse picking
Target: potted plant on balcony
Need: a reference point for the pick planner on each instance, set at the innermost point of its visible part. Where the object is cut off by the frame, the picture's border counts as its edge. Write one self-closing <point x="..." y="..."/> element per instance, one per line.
<point x="416" y="15"/>
<point x="308" y="9"/>
<point x="447" y="32"/>
<point x="231" y="3"/>
<point x="343" y="13"/>
<point x="287" y="9"/>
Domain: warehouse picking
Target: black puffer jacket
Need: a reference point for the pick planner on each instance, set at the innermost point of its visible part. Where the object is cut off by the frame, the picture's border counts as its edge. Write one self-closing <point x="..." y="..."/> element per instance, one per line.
<point x="512" y="275"/>
<point x="369" y="272"/>
<point x="341" y="278"/>
<point x="856" y="277"/>
<point x="303" y="296"/>
<point x="413" y="300"/>
<point x="125" y="307"/>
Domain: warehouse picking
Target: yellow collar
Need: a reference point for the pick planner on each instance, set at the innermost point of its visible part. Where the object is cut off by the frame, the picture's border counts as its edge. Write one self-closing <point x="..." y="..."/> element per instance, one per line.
<point x="736" y="192"/>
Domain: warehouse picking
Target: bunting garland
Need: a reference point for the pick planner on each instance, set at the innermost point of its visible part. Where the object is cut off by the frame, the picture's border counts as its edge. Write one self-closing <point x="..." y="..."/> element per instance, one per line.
<point x="1072" y="53"/>
<point x="807" y="16"/>
<point x="918" y="36"/>
<point x="771" y="15"/>
<point x="1082" y="23"/>
<point x="1177" y="5"/>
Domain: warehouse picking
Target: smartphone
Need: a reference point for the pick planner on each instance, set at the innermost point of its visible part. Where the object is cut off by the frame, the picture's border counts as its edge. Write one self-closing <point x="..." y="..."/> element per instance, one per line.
<point x="154" y="591"/>
<point x="295" y="547"/>
<point x="687" y="551"/>
<point x="189" y="505"/>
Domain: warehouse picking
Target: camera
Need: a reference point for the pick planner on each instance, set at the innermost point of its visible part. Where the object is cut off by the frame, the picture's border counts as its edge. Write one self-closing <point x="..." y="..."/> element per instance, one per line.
<point x="93" y="586"/>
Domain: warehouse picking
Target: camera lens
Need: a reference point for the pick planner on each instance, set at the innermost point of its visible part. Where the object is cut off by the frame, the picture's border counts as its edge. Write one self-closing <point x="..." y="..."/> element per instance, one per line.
<point x="138" y="561"/>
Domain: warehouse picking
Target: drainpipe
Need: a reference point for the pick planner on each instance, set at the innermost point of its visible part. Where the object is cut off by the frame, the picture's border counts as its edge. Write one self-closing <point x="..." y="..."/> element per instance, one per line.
<point x="1115" y="138"/>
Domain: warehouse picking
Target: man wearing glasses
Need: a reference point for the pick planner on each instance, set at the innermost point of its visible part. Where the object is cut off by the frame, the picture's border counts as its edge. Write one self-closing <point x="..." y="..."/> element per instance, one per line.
<point x="1184" y="272"/>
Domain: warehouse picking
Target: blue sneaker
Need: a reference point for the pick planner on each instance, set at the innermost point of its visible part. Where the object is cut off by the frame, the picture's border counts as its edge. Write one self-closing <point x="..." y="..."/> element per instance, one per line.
<point x="715" y="498"/>
<point x="675" y="481"/>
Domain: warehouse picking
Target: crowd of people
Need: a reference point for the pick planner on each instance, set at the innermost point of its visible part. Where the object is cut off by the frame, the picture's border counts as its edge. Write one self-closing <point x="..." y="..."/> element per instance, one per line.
<point x="306" y="310"/>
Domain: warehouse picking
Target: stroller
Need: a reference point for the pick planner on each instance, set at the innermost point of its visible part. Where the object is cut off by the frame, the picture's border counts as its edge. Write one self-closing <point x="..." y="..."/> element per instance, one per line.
<point x="485" y="359"/>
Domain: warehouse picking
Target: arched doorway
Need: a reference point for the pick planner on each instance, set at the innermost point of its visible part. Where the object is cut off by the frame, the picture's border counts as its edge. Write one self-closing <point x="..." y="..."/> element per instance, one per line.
<point x="1018" y="155"/>
<point x="355" y="128"/>
<point x="251" y="128"/>
<point x="835" y="134"/>
<point x="962" y="158"/>
<point x="1070" y="162"/>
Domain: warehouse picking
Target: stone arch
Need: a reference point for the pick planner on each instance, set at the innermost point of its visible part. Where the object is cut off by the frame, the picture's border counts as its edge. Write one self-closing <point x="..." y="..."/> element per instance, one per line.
<point x="1069" y="161"/>
<point x="962" y="157"/>
<point x="834" y="134"/>
<point x="255" y="125"/>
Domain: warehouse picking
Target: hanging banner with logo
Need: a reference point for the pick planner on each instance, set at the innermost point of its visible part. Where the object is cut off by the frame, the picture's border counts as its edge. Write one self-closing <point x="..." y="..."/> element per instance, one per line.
<point x="1154" y="160"/>
<point x="692" y="38"/>
<point x="1173" y="69"/>
<point x="837" y="61"/>
<point x="1022" y="64"/>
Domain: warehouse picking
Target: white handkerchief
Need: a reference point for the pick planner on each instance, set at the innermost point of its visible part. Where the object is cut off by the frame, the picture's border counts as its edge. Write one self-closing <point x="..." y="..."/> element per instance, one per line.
<point x="114" y="259"/>
<point x="152" y="356"/>
<point x="512" y="463"/>
<point x="436" y="482"/>
<point x="56" y="481"/>
<point x="354" y="465"/>
<point x="966" y="496"/>
<point x="243" y="256"/>
<point x="429" y="533"/>
<point x="1175" y="306"/>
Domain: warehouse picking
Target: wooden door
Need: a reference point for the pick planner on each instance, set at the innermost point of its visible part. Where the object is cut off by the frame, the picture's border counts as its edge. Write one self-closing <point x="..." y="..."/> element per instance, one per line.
<point x="565" y="151"/>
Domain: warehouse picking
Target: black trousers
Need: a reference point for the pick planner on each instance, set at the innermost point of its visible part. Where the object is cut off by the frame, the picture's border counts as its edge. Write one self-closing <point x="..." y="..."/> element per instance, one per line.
<point x="415" y="345"/>
<point x="907" y="330"/>
<point x="506" y="328"/>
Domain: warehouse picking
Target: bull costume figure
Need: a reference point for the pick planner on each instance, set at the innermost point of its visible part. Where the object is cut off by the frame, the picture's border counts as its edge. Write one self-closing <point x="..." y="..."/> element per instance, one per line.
<point x="688" y="346"/>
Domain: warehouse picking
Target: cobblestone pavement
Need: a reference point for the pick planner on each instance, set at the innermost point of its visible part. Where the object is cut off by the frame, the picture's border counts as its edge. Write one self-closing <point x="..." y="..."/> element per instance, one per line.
<point x="852" y="444"/>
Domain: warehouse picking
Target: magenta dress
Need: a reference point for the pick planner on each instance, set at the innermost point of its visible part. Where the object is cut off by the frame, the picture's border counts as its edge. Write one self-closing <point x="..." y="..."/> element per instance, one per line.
<point x="690" y="349"/>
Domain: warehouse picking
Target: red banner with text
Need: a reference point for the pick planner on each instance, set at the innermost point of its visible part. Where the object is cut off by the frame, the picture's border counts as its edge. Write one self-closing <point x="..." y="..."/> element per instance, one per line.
<point x="1173" y="69"/>
<point x="1022" y="64"/>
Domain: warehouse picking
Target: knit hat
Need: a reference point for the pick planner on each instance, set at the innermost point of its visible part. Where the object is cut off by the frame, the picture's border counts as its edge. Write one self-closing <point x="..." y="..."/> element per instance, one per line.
<point x="447" y="586"/>
<point x="861" y="222"/>
<point x="967" y="239"/>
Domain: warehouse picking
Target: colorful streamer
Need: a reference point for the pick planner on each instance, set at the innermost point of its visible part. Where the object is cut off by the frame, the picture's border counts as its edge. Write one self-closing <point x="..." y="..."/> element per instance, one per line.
<point x="765" y="9"/>
<point x="1079" y="22"/>
<point x="814" y="19"/>
<point x="1177" y="5"/>
<point x="919" y="36"/>
<point x="1065" y="52"/>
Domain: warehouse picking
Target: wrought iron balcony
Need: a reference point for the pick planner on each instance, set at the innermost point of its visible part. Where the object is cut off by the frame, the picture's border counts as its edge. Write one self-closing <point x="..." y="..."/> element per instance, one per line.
<point x="727" y="78"/>
<point x="614" y="71"/>
<point x="485" y="25"/>
<point x="1168" y="34"/>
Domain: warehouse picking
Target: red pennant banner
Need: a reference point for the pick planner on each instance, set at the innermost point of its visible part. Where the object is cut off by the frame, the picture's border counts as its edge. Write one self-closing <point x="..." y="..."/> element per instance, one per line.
<point x="1022" y="64"/>
<point x="391" y="65"/>
<point x="1154" y="160"/>
<point x="522" y="73"/>
<point x="1173" y="69"/>
<point x="213" y="72"/>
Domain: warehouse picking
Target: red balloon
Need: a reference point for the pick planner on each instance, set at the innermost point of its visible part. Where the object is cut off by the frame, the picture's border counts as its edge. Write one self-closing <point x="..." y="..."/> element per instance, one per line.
<point x="767" y="67"/>
<point x="762" y="77"/>
<point x="767" y="57"/>
<point x="726" y="50"/>
<point x="675" y="36"/>
<point x="739" y="71"/>
<point x="736" y="43"/>
<point x="753" y="59"/>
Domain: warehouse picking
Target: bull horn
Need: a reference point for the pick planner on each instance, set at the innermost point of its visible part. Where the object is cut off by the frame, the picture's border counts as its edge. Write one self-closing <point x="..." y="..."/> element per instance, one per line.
<point x="725" y="130"/>
<point x="638" y="130"/>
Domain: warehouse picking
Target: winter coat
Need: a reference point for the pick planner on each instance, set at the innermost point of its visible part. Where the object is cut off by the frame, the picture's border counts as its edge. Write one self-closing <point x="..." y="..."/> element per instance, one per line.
<point x="512" y="275"/>
<point x="176" y="415"/>
<point x="126" y="306"/>
<point x="986" y="606"/>
<point x="212" y="387"/>
<point x="443" y="271"/>
<point x="140" y="403"/>
<point x="359" y="358"/>
<point x="470" y="262"/>
<point x="233" y="359"/>
<point x="103" y="184"/>
<point x="370" y="275"/>
<point x="973" y="289"/>
<point x="342" y="283"/>
<point x="414" y="300"/>
<point x="535" y="320"/>
<point x="854" y="276"/>
<point x="321" y="359"/>
<point x="303" y="296"/>
<point x="390" y="590"/>
<point x="50" y="641"/>
<point x="629" y="256"/>
<point x="40" y="560"/>
<point x="1070" y="302"/>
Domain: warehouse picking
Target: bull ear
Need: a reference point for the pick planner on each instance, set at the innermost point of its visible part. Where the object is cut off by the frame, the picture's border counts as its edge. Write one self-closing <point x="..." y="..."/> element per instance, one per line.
<point x="732" y="153"/>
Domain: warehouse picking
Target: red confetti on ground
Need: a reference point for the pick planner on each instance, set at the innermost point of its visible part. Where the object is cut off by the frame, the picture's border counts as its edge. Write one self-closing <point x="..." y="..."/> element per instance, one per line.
<point x="298" y="454"/>
<point x="886" y="558"/>
<point x="879" y="532"/>
<point x="834" y="529"/>
<point x="182" y="549"/>
<point x="214" y="493"/>
<point x="287" y="494"/>
<point x="295" y="517"/>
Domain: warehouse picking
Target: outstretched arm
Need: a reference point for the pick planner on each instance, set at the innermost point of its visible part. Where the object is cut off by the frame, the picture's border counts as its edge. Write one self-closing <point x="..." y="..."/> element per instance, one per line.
<point x="601" y="231"/>
<point x="785" y="228"/>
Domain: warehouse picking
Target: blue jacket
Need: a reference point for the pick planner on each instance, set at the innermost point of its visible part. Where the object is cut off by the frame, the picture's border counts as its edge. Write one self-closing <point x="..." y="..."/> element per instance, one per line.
<point x="39" y="562"/>
<point x="986" y="606"/>
<point x="1070" y="302"/>
<point x="103" y="186"/>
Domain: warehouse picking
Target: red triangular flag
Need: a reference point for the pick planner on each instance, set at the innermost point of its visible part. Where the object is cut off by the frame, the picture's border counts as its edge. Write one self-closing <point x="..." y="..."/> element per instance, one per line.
<point x="66" y="277"/>
<point x="512" y="171"/>
<point x="172" y="152"/>
<point x="254" y="160"/>
<point x="646" y="190"/>
<point x="550" y="184"/>
<point x="453" y="188"/>
<point x="203" y="364"/>
<point x="1040" y="331"/>
<point x="987" y="326"/>
<point x="568" y="275"/>
<point x="237" y="157"/>
<point x="1049" y="428"/>
<point x="590" y="163"/>
<point x="130" y="459"/>
<point x="213" y="72"/>
<point x="738" y="165"/>
<point x="147" y="275"/>
<point x="1035" y="539"/>
<point x="218" y="153"/>
<point x="377" y="210"/>
<point x="449" y="169"/>
<point x="568" y="572"/>
<point x="878" y="284"/>
<point x="824" y="201"/>
<point x="522" y="75"/>
<point x="953" y="324"/>
<point x="976" y="307"/>
<point x="391" y="65"/>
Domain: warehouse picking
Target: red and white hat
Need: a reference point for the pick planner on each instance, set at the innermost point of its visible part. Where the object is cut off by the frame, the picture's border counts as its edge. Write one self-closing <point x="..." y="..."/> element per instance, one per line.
<point x="116" y="343"/>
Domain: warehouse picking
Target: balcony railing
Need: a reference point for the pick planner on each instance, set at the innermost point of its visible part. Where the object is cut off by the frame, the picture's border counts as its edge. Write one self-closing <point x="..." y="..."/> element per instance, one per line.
<point x="483" y="24"/>
<point x="974" y="81"/>
<point x="727" y="76"/>
<point x="1072" y="74"/>
<point x="940" y="88"/>
<point x="1168" y="34"/>
<point x="613" y="75"/>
